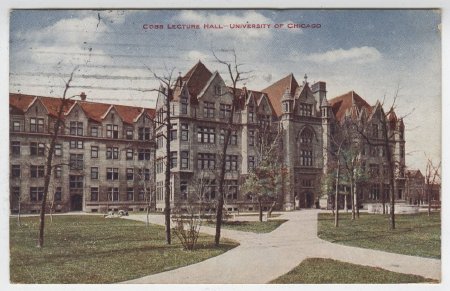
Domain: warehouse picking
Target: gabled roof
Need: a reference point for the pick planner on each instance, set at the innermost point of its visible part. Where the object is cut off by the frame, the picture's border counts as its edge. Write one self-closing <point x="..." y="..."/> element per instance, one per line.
<point x="19" y="104"/>
<point x="196" y="79"/>
<point x="350" y="102"/>
<point x="414" y="174"/>
<point x="276" y="90"/>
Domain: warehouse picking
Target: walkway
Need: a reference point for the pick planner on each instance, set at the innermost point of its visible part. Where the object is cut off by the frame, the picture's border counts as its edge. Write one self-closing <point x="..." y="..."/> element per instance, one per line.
<point x="261" y="258"/>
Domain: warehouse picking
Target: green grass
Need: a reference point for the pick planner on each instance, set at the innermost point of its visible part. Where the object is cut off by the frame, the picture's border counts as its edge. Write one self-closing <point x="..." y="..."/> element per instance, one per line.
<point x="327" y="271"/>
<point x="251" y="226"/>
<point x="416" y="235"/>
<point x="92" y="249"/>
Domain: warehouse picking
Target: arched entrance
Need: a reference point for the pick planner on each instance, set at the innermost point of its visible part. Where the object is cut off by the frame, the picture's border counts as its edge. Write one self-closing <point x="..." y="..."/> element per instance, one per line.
<point x="309" y="200"/>
<point x="76" y="202"/>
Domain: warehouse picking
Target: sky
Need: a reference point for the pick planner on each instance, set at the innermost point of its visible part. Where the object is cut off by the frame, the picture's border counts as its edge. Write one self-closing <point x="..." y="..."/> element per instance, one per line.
<point x="377" y="53"/>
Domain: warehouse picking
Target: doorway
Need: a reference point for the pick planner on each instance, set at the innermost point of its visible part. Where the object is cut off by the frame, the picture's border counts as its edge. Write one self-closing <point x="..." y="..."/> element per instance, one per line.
<point x="76" y="203"/>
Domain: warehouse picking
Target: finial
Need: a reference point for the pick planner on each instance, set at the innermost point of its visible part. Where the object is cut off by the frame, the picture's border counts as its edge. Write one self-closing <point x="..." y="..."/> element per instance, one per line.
<point x="306" y="78"/>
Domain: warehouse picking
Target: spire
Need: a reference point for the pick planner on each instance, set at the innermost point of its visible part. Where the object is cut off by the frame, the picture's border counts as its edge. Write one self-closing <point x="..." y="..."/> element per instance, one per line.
<point x="306" y="79"/>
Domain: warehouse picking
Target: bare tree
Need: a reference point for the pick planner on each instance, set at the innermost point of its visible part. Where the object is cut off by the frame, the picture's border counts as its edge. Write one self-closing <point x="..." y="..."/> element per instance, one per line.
<point x="432" y="174"/>
<point x="236" y="76"/>
<point x="59" y="122"/>
<point x="165" y="90"/>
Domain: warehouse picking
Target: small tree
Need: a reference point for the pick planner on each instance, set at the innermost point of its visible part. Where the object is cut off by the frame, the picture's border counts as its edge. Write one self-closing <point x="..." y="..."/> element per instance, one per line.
<point x="432" y="174"/>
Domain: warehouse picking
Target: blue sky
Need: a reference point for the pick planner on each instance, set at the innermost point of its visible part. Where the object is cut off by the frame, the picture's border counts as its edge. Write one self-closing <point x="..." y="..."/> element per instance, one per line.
<point x="372" y="52"/>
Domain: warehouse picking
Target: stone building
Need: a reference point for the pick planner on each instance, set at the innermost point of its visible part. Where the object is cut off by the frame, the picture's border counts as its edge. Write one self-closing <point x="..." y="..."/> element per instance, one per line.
<point x="103" y="156"/>
<point x="104" y="148"/>
<point x="200" y="105"/>
<point x="414" y="187"/>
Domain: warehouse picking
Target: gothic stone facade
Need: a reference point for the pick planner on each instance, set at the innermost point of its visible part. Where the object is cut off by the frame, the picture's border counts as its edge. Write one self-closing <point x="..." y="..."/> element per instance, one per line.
<point x="200" y="106"/>
<point x="103" y="155"/>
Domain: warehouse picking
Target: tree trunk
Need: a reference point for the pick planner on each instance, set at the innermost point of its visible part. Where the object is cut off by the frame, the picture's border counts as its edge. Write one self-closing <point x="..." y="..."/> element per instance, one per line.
<point x="260" y="209"/>
<point x="383" y="198"/>
<point x="269" y="213"/>
<point x="336" y="199"/>
<point x="428" y="198"/>
<point x="352" y="199"/>
<point x="345" y="203"/>
<point x="51" y="211"/>
<point x="356" y="200"/>
<point x="391" y="171"/>
<point x="167" y="172"/>
<point x="18" y="215"/>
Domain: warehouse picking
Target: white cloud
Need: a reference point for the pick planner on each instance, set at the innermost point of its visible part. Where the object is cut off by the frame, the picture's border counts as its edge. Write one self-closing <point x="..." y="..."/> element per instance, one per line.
<point x="248" y="17"/>
<point x="360" y="55"/>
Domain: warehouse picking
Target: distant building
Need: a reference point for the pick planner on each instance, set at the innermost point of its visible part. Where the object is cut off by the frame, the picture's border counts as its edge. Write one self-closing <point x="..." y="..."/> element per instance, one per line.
<point x="415" y="187"/>
<point x="103" y="156"/>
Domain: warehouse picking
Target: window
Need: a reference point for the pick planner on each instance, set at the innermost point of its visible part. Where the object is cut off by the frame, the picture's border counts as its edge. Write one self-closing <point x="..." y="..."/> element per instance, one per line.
<point x="183" y="190"/>
<point x="208" y="109"/>
<point x="76" y="144"/>
<point x="231" y="163"/>
<point x="402" y="151"/>
<point x="306" y="158"/>
<point x="306" y="137"/>
<point x="173" y="132"/>
<point x="210" y="189"/>
<point x="184" y="132"/>
<point x="374" y="170"/>
<point x="147" y="174"/>
<point x="183" y="105"/>
<point x="129" y="154"/>
<point x="159" y="166"/>
<point x="251" y="163"/>
<point x="251" y="114"/>
<point x="130" y="194"/>
<point x="141" y="194"/>
<point x="305" y="109"/>
<point x="144" y="133"/>
<point x="130" y="174"/>
<point x="251" y="137"/>
<point x="36" y="171"/>
<point x="36" y="124"/>
<point x="112" y="131"/>
<point x="231" y="187"/>
<point x="375" y="130"/>
<point x="159" y="142"/>
<point x="129" y="133"/>
<point x="58" y="172"/>
<point x="233" y="138"/>
<point x="94" y="173"/>
<point x="112" y="174"/>
<point x="206" y="161"/>
<point x="76" y="128"/>
<point x="218" y="90"/>
<point x="76" y="161"/>
<point x="94" y="151"/>
<point x="113" y="194"/>
<point x="37" y="149"/>
<point x="173" y="160"/>
<point x="374" y="193"/>
<point x="112" y="153"/>
<point x="58" y="150"/>
<point x="143" y="154"/>
<point x="58" y="194"/>
<point x="16" y="126"/>
<point x="94" y="193"/>
<point x="382" y="152"/>
<point x="184" y="160"/>
<point x="264" y="120"/>
<point x="15" y="148"/>
<point x="222" y="136"/>
<point x="36" y="193"/>
<point x="206" y="135"/>
<point x="15" y="171"/>
<point x="75" y="183"/>
<point x="307" y="183"/>
<point x="94" y="130"/>
<point x="225" y="110"/>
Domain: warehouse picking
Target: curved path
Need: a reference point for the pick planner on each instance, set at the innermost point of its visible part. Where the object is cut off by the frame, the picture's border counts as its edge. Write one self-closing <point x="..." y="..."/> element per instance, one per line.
<point x="261" y="258"/>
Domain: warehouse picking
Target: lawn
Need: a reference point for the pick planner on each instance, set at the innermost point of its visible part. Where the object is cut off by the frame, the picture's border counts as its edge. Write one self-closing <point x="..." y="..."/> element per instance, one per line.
<point x="250" y="226"/>
<point x="327" y="271"/>
<point x="92" y="249"/>
<point x="416" y="235"/>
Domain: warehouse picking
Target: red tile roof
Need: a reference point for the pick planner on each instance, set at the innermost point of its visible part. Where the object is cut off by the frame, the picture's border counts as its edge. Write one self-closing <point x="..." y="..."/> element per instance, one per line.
<point x="20" y="103"/>
<point x="345" y="102"/>
<point x="276" y="90"/>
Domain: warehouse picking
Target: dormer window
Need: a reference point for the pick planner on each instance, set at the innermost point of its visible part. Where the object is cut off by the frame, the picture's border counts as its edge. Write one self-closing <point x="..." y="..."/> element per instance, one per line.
<point x="76" y="128"/>
<point x="251" y="114"/>
<point x="218" y="90"/>
<point x="183" y="105"/>
<point x="112" y="131"/>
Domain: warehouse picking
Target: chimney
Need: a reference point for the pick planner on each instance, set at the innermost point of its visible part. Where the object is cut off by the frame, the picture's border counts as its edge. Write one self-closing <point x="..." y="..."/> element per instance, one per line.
<point x="83" y="96"/>
<point x="319" y="90"/>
